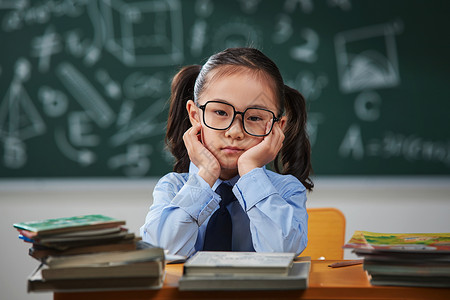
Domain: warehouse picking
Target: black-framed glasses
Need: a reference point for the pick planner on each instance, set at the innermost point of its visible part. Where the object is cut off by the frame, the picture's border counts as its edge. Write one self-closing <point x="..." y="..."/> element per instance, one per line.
<point x="220" y="115"/>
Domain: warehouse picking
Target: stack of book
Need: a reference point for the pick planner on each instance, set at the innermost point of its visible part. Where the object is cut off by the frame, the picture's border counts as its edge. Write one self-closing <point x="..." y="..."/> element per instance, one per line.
<point x="91" y="252"/>
<point x="404" y="259"/>
<point x="75" y="235"/>
<point x="217" y="270"/>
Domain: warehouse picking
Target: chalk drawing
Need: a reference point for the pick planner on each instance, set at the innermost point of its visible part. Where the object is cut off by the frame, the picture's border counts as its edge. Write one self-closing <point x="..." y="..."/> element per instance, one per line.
<point x="352" y="144"/>
<point x="204" y="8"/>
<point x="19" y="118"/>
<point x="392" y="145"/>
<point x="306" y="6"/>
<point x="93" y="53"/>
<point x="80" y="130"/>
<point x="412" y="148"/>
<point x="249" y="6"/>
<point x="88" y="97"/>
<point x="13" y="4"/>
<point x="370" y="68"/>
<point x="54" y="102"/>
<point x="138" y="85"/>
<point x="367" y="106"/>
<point x="198" y="37"/>
<point x="45" y="46"/>
<point x="141" y="127"/>
<point x="314" y="120"/>
<point x="77" y="44"/>
<point x="345" y="5"/>
<point x="112" y="87"/>
<point x="135" y="161"/>
<point x="125" y="114"/>
<point x="310" y="85"/>
<point x="307" y="52"/>
<point x="236" y="34"/>
<point x="283" y="29"/>
<point x="39" y="13"/>
<point x="151" y="32"/>
<point x="15" y="152"/>
<point x="83" y="157"/>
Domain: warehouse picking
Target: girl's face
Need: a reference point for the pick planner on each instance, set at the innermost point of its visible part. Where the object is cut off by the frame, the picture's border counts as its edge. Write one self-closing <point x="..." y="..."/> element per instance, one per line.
<point x="242" y="90"/>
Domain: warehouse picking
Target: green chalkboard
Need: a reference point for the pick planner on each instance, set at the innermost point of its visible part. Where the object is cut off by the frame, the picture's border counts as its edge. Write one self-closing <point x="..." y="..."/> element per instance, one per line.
<point x="84" y="84"/>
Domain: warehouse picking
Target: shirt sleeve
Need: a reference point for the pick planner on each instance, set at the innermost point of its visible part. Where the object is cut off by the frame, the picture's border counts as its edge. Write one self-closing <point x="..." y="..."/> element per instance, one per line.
<point x="276" y="208"/>
<point x="178" y="209"/>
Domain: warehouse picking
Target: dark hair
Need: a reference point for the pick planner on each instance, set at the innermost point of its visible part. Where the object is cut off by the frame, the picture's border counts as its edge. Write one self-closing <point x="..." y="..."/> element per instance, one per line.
<point x="190" y="82"/>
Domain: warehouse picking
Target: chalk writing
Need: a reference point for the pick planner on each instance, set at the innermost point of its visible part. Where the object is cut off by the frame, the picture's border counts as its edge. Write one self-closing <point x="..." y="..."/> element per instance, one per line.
<point x="85" y="84"/>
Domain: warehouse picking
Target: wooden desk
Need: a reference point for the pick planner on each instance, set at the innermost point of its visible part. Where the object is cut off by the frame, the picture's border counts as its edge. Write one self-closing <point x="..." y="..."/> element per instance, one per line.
<point x="325" y="283"/>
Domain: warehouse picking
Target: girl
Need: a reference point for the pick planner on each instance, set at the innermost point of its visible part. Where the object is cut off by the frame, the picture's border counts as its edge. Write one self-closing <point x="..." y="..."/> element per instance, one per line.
<point x="227" y="120"/>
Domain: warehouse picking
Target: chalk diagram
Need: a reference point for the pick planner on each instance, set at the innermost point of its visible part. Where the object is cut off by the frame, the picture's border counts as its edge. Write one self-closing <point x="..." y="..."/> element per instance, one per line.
<point x="144" y="33"/>
<point x="82" y="98"/>
<point x="361" y="68"/>
<point x="236" y="34"/>
<point x="366" y="60"/>
<point x="19" y="118"/>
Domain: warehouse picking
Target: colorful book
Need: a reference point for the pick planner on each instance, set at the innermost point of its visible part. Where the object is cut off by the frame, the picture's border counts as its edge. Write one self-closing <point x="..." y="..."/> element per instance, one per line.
<point x="404" y="259"/>
<point x="421" y="242"/>
<point x="67" y="224"/>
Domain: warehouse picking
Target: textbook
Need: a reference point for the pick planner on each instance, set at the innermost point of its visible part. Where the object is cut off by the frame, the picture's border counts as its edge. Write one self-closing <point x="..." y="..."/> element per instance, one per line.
<point x="297" y="279"/>
<point x="401" y="242"/>
<point x="212" y="263"/>
<point x="404" y="259"/>
<point x="108" y="270"/>
<point x="36" y="283"/>
<point x="68" y="224"/>
<point x="102" y="258"/>
<point x="65" y="234"/>
<point x="142" y="268"/>
<point x="41" y="252"/>
<point x="90" y="252"/>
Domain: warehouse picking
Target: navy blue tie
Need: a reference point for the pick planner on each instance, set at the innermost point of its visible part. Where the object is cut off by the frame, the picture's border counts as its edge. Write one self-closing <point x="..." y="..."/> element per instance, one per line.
<point x="219" y="229"/>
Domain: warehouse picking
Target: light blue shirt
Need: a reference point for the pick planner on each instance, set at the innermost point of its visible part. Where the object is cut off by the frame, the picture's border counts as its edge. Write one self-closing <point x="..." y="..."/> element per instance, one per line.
<point x="269" y="216"/>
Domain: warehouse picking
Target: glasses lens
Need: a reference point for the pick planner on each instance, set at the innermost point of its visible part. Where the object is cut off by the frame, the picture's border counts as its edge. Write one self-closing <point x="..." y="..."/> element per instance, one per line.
<point x="218" y="115"/>
<point x="255" y="120"/>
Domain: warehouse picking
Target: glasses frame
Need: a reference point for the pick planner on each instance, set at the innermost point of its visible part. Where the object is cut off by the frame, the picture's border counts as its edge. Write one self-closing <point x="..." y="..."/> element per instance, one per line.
<point x="242" y="113"/>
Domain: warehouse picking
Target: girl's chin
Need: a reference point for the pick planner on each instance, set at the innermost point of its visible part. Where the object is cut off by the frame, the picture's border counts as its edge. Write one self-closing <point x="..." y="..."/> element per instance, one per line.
<point x="229" y="166"/>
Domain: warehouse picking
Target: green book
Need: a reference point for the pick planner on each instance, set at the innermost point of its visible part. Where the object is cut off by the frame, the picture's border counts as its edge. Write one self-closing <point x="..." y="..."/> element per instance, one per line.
<point x="68" y="224"/>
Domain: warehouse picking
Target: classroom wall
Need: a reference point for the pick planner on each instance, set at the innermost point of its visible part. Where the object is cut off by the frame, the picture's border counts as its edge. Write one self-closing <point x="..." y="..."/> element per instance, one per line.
<point x="376" y="204"/>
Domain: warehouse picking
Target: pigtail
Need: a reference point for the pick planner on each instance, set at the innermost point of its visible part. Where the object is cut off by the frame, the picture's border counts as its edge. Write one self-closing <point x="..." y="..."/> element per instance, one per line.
<point x="295" y="155"/>
<point x="182" y="90"/>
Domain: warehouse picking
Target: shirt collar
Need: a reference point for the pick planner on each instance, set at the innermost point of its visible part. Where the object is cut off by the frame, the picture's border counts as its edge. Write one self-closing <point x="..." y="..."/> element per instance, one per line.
<point x="194" y="170"/>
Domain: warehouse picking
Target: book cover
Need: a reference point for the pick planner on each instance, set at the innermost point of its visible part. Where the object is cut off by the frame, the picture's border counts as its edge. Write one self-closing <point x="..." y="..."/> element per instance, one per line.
<point x="400" y="241"/>
<point x="36" y="283"/>
<point x="297" y="279"/>
<point x="108" y="270"/>
<point x="74" y="234"/>
<point x="66" y="224"/>
<point x="41" y="252"/>
<point x="100" y="258"/>
<point x="62" y="246"/>
<point x="221" y="262"/>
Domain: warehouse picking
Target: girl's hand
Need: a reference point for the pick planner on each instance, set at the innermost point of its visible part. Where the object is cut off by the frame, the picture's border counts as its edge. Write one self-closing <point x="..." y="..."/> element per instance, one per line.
<point x="264" y="152"/>
<point x="207" y="163"/>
